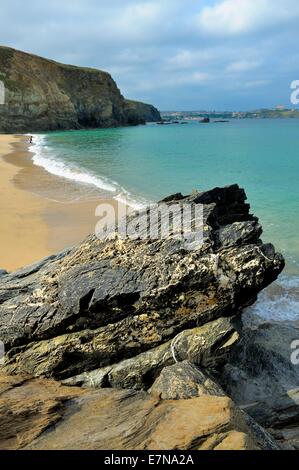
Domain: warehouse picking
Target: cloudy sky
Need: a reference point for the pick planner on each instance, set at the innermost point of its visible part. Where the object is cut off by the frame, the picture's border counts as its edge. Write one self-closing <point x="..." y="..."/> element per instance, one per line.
<point x="176" y="54"/>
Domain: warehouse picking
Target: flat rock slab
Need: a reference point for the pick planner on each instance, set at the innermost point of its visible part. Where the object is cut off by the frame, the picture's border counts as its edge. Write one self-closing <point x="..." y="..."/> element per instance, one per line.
<point x="41" y="414"/>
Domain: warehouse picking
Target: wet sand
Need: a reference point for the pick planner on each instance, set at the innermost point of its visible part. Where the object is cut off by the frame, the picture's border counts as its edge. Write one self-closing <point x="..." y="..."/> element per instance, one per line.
<point x="40" y="213"/>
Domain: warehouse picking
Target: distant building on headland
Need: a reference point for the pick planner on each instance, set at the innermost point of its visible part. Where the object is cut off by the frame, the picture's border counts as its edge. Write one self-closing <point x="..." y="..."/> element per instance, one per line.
<point x="279" y="112"/>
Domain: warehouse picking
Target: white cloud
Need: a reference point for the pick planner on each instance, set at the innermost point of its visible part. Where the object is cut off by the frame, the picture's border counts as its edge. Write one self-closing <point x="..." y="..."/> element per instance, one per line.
<point x="166" y="81"/>
<point x="195" y="78"/>
<point x="256" y="83"/>
<point x="186" y="58"/>
<point x="242" y="66"/>
<point x="232" y="17"/>
<point x="135" y="19"/>
<point x="183" y="59"/>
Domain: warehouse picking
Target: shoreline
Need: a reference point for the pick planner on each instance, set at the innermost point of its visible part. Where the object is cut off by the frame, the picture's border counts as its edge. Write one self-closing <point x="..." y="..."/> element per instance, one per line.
<point x="33" y="224"/>
<point x="43" y="214"/>
<point x="23" y="235"/>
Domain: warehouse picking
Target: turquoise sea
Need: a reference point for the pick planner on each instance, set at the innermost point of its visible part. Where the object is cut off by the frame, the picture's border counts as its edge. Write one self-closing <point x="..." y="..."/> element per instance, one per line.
<point x="146" y="163"/>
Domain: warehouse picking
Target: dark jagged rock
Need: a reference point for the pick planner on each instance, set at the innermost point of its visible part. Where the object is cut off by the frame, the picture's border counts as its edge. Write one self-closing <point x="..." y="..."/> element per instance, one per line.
<point x="114" y="299"/>
<point x="3" y="272"/>
<point x="238" y="233"/>
<point x="280" y="416"/>
<point x="261" y="377"/>
<point x="43" y="95"/>
<point x="260" y="365"/>
<point x="277" y="412"/>
<point x="184" y="380"/>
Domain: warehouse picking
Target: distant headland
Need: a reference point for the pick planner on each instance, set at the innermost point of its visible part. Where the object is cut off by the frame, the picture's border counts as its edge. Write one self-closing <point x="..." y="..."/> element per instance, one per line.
<point x="279" y="112"/>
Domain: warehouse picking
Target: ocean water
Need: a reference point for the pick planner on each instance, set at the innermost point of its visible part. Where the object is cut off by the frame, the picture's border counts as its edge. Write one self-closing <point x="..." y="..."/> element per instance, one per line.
<point x="146" y="163"/>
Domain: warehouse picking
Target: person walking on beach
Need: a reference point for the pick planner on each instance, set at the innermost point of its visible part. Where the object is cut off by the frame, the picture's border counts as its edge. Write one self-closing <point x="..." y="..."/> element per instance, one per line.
<point x="30" y="139"/>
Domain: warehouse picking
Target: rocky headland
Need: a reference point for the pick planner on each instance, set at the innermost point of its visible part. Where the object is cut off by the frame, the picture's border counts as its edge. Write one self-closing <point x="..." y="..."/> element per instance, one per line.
<point x="143" y="111"/>
<point x="142" y="344"/>
<point x="43" y="95"/>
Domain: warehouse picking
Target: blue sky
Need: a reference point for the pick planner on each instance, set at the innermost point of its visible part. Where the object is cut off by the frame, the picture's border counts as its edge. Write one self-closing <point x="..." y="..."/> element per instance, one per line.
<point x="176" y="54"/>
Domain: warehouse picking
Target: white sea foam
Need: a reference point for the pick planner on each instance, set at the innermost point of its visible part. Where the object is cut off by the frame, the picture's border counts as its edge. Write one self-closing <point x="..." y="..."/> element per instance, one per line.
<point x="289" y="282"/>
<point x="280" y="302"/>
<point x="43" y="157"/>
<point x="125" y="198"/>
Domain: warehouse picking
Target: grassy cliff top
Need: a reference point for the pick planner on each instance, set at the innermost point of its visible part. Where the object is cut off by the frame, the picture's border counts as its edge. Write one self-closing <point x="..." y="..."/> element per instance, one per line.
<point x="7" y="53"/>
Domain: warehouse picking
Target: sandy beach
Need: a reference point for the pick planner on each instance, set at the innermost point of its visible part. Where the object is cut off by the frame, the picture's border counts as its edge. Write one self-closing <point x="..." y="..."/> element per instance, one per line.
<point x="33" y="224"/>
<point x="24" y="234"/>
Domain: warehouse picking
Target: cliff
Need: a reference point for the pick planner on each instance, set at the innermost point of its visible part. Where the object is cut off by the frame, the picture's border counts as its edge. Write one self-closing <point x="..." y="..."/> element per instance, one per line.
<point x="147" y="337"/>
<point x="147" y="112"/>
<point x="43" y="95"/>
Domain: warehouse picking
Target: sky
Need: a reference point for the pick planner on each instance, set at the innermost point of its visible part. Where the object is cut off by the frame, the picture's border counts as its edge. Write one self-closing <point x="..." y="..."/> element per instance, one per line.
<point x="175" y="54"/>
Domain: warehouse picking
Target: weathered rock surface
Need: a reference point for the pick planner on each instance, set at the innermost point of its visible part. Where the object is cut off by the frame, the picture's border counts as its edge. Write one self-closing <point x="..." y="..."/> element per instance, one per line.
<point x="280" y="416"/>
<point x="41" y="414"/>
<point x="207" y="346"/>
<point x="277" y="411"/>
<point x="112" y="300"/>
<point x="28" y="407"/>
<point x="42" y="95"/>
<point x="184" y="380"/>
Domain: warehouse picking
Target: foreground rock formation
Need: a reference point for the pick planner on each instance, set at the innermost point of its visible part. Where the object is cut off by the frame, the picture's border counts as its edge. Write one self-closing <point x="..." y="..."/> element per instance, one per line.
<point x="40" y="414"/>
<point x="110" y="300"/>
<point x="150" y="317"/>
<point x="43" y="95"/>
